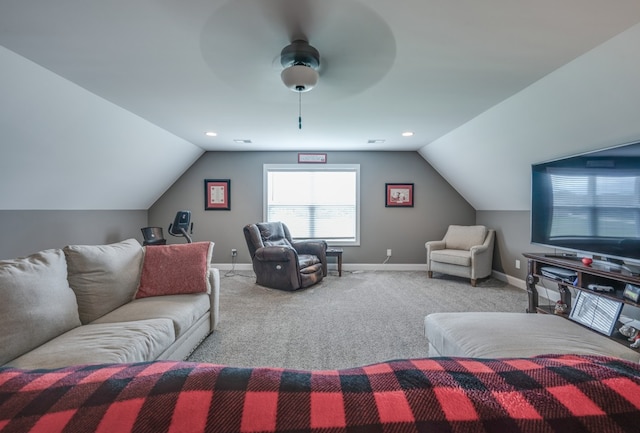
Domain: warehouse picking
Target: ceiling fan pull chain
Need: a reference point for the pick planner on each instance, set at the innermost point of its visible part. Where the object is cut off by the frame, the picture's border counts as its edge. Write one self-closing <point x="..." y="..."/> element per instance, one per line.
<point x="299" y="110"/>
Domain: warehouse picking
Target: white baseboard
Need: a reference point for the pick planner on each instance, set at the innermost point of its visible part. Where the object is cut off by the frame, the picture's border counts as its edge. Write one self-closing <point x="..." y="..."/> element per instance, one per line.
<point x="237" y="267"/>
<point x="517" y="282"/>
<point x="383" y="267"/>
<point x="547" y="293"/>
<point x="551" y="294"/>
<point x="350" y="267"/>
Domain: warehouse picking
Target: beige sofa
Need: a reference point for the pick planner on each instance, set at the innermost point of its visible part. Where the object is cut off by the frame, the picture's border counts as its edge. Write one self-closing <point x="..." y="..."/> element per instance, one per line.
<point x="82" y="305"/>
<point x="505" y="335"/>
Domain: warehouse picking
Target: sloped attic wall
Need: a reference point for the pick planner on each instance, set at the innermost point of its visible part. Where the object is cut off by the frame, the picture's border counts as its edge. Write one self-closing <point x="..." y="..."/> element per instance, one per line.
<point x="75" y="168"/>
<point x="588" y="104"/>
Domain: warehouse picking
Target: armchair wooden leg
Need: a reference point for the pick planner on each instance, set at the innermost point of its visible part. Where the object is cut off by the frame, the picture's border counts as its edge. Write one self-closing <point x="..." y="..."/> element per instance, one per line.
<point x="430" y="274"/>
<point x="473" y="282"/>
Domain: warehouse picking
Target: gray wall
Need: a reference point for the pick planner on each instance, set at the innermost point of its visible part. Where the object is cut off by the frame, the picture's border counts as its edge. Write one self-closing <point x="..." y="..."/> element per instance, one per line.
<point x="512" y="240"/>
<point x="404" y="230"/>
<point x="27" y="231"/>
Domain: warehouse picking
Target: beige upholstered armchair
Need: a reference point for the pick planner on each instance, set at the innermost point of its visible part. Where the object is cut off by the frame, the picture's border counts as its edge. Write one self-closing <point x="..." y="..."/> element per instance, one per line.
<point x="465" y="251"/>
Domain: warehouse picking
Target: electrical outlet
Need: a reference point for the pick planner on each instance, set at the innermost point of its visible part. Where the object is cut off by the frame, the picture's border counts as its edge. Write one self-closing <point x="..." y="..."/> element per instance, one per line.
<point x="234" y="252"/>
<point x="517" y="264"/>
<point x="389" y="252"/>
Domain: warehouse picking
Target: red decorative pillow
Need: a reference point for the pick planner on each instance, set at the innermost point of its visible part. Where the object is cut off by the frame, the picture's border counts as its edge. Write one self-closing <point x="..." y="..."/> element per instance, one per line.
<point x="175" y="269"/>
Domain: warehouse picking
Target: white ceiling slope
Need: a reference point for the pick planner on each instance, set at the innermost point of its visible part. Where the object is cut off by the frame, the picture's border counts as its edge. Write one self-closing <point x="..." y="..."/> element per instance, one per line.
<point x="591" y="103"/>
<point x="120" y="93"/>
<point x="66" y="148"/>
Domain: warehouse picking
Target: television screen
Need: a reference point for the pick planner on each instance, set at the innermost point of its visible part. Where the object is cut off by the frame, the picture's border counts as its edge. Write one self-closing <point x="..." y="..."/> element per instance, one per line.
<point x="589" y="203"/>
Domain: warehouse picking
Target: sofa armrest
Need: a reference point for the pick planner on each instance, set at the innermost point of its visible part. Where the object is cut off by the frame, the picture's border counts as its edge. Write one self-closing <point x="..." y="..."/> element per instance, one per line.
<point x="434" y="245"/>
<point x="479" y="249"/>
<point x="482" y="256"/>
<point x="214" y="296"/>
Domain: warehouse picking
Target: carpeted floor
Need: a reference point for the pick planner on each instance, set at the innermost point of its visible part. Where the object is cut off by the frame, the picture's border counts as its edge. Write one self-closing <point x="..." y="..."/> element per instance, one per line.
<point x="357" y="319"/>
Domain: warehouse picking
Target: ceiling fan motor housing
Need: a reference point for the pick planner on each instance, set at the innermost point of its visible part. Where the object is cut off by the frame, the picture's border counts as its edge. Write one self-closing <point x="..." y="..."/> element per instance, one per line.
<point x="299" y="52"/>
<point x="300" y="61"/>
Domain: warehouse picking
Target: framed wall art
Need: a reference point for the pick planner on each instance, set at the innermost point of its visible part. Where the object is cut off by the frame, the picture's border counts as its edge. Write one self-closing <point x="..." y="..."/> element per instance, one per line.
<point x="217" y="194"/>
<point x="398" y="194"/>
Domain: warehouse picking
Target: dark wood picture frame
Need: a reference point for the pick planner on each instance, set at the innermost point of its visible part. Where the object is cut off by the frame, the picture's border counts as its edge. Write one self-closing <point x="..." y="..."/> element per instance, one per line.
<point x="398" y="194"/>
<point x="217" y="194"/>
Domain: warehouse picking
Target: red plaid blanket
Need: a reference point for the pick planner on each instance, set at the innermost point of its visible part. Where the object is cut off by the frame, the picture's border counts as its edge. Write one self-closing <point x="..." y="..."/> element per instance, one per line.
<point x="545" y="394"/>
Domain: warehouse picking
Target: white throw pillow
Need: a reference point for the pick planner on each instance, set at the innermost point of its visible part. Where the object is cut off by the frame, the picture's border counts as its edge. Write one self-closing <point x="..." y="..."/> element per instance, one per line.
<point x="36" y="302"/>
<point x="103" y="277"/>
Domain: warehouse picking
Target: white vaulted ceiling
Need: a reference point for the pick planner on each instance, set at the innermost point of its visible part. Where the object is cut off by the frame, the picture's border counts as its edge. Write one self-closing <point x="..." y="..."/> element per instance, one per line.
<point x="116" y="96"/>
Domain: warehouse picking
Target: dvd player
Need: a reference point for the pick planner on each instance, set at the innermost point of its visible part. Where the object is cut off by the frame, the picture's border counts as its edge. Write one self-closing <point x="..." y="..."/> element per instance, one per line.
<point x="562" y="274"/>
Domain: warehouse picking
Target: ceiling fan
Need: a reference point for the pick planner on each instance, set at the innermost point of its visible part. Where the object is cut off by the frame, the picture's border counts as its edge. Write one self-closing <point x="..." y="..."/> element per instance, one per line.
<point x="300" y="62"/>
<point x="249" y="43"/>
<point x="300" y="74"/>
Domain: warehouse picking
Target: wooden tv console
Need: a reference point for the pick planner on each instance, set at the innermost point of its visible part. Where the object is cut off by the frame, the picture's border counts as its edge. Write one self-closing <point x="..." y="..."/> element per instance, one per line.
<point x="602" y="273"/>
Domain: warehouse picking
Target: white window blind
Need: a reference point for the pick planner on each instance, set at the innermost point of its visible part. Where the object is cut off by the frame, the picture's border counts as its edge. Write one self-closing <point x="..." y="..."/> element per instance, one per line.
<point x="315" y="202"/>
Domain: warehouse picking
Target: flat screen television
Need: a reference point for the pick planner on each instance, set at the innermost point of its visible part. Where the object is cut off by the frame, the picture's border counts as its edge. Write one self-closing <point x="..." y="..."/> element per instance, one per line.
<point x="589" y="204"/>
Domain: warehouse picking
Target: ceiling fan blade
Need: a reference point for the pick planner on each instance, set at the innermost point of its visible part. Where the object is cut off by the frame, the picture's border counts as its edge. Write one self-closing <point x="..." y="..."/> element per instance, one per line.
<point x="243" y="39"/>
<point x="298" y="18"/>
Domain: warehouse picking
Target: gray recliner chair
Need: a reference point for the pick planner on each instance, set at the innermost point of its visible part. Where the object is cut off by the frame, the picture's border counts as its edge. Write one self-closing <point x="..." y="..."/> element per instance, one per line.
<point x="281" y="263"/>
<point x="465" y="251"/>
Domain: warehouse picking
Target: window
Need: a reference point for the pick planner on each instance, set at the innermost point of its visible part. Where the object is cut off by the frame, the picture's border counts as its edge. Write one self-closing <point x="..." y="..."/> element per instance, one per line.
<point x="319" y="202"/>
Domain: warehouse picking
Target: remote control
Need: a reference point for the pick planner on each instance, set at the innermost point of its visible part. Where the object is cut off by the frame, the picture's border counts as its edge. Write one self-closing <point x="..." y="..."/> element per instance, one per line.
<point x="600" y="288"/>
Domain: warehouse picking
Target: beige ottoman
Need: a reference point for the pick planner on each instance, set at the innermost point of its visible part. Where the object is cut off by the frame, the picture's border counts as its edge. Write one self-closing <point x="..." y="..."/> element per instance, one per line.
<point x="505" y="335"/>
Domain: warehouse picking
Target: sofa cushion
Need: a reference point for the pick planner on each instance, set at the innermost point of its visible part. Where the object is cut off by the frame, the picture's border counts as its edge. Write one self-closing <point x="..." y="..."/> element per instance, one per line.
<point x="103" y="277"/>
<point x="278" y="243"/>
<point x="175" y="269"/>
<point x="503" y="335"/>
<point x="182" y="310"/>
<point x="452" y="257"/>
<point x="37" y="302"/>
<point x="464" y="237"/>
<point x="138" y="341"/>
<point x="306" y="260"/>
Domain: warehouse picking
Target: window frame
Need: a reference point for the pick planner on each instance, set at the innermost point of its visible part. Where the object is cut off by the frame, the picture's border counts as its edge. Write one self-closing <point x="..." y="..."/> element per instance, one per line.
<point x="266" y="168"/>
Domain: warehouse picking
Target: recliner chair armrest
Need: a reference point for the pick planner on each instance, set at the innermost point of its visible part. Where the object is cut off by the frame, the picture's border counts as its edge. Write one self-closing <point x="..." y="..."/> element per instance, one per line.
<point x="316" y="248"/>
<point x="276" y="254"/>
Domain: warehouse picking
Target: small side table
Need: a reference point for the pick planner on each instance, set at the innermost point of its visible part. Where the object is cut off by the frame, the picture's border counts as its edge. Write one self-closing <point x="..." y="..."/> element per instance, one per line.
<point x="336" y="252"/>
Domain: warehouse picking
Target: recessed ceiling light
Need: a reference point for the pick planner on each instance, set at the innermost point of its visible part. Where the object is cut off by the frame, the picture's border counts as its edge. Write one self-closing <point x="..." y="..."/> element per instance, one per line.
<point x="376" y="140"/>
<point x="211" y="134"/>
<point x="407" y="134"/>
<point x="243" y="141"/>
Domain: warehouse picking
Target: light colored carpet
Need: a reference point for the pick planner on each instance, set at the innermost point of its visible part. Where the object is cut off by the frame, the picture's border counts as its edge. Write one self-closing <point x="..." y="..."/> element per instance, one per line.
<point x="354" y="320"/>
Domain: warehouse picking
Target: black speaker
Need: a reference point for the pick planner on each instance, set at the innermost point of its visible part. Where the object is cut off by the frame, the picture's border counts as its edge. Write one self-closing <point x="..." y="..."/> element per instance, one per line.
<point x="153" y="236"/>
<point x="180" y="222"/>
